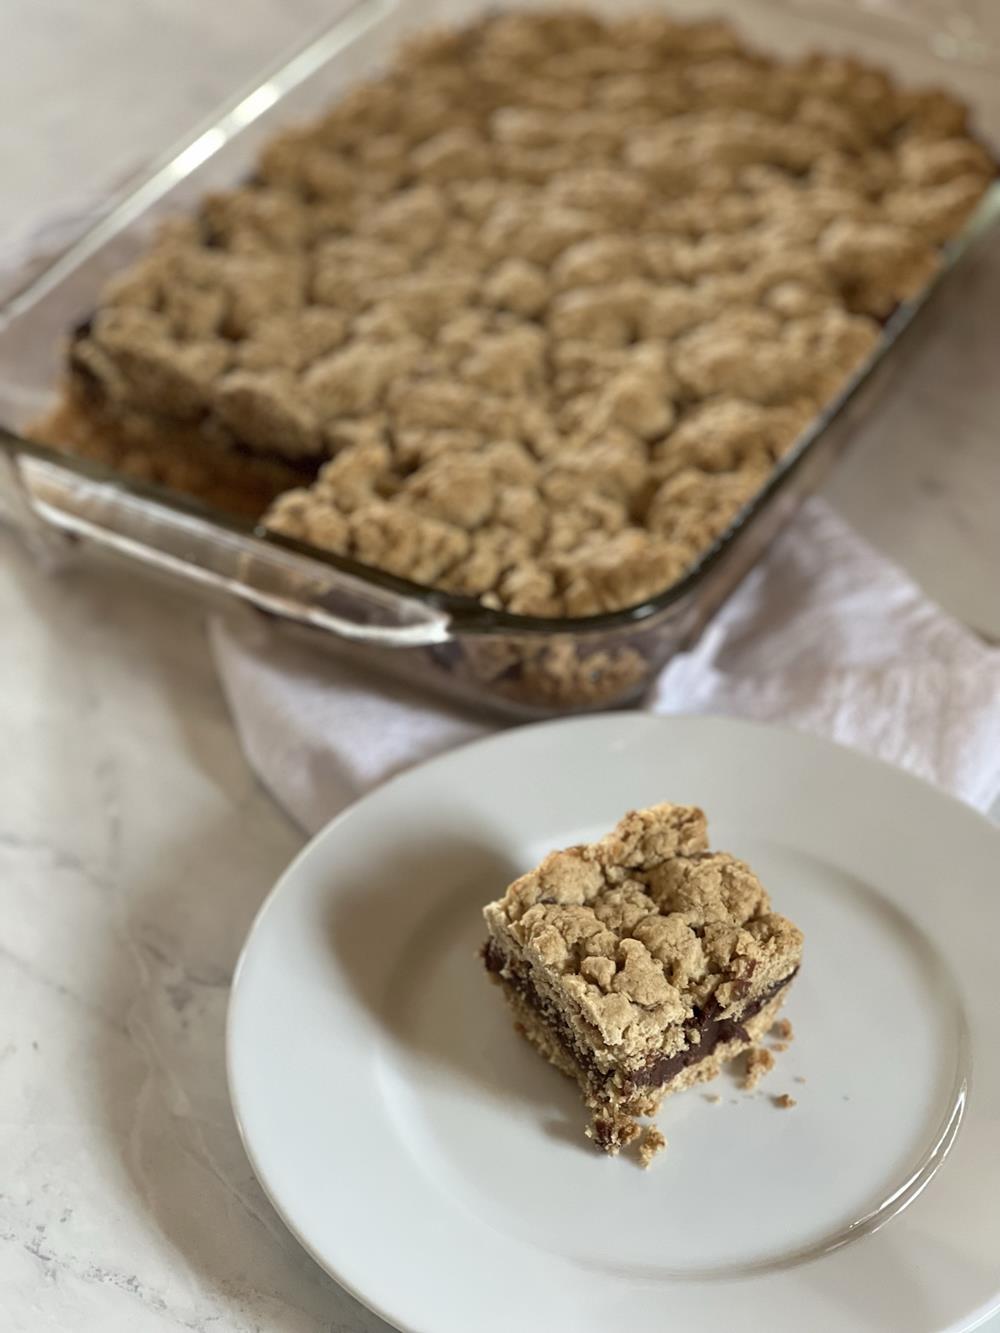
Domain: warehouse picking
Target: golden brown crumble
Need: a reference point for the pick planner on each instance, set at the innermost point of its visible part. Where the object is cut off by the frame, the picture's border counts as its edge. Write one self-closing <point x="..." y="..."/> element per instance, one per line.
<point x="544" y="304"/>
<point x="652" y="1143"/>
<point x="760" y="1061"/>
<point x="785" y="1101"/>
<point x="638" y="930"/>
<point x="783" y="1030"/>
<point x="627" y="1131"/>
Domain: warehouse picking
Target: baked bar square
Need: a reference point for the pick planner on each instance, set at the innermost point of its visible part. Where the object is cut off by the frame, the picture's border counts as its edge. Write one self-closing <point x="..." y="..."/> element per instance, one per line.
<point x="641" y="963"/>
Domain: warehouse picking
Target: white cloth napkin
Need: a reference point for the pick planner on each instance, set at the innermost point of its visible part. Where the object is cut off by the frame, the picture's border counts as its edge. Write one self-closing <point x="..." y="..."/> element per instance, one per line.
<point x="824" y="634"/>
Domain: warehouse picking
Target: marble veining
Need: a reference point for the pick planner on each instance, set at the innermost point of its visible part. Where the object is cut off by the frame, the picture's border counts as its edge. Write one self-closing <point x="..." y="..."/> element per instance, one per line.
<point x="136" y="846"/>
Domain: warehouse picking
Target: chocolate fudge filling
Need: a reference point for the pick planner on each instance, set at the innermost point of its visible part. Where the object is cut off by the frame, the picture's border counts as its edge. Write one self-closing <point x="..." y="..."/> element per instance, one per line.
<point x="660" y="1069"/>
<point x="712" y="1030"/>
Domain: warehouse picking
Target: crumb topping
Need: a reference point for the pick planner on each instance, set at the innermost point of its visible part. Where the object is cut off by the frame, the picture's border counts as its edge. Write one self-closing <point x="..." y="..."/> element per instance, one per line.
<point x="760" y="1061"/>
<point x="639" y="929"/>
<point x="545" y="302"/>
<point x="652" y="1143"/>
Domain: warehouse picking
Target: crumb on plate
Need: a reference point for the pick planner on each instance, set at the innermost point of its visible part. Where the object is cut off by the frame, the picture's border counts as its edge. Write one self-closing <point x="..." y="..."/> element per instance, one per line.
<point x="759" y="1062"/>
<point x="652" y="1142"/>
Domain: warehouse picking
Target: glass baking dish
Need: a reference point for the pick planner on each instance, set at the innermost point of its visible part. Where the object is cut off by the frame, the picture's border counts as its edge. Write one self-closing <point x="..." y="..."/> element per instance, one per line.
<point x="524" y="666"/>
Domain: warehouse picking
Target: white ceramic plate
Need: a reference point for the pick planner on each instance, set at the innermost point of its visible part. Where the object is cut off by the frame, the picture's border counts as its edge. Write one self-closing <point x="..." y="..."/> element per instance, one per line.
<point x="436" y="1166"/>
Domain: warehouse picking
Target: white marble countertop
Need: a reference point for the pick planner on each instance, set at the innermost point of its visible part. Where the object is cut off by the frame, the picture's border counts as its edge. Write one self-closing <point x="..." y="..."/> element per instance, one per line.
<point x="135" y="845"/>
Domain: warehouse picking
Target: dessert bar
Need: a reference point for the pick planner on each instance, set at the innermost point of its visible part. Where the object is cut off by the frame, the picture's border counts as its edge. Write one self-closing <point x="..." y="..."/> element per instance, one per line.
<point x="641" y="963"/>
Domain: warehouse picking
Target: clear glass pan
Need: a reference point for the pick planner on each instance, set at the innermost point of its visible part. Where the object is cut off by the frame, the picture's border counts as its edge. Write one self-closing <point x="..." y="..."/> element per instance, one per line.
<point x="525" y="666"/>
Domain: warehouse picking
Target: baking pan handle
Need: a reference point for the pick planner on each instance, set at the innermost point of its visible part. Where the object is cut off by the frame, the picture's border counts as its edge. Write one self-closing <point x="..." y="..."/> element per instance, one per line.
<point x="42" y="496"/>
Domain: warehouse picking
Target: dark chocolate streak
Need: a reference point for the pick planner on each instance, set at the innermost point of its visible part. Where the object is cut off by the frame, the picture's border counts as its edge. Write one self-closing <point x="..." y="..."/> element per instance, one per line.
<point x="662" y="1068"/>
<point x="659" y="1069"/>
<point x="306" y="466"/>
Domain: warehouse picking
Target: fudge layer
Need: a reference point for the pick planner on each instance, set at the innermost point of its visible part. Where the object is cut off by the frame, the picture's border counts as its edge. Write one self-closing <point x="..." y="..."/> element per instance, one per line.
<point x="531" y="316"/>
<point x="640" y="963"/>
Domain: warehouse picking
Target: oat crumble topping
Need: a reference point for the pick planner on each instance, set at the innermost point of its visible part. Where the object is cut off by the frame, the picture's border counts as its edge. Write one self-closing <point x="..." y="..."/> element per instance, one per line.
<point x="651" y="1144"/>
<point x="639" y="929"/>
<point x="543" y="305"/>
<point x="760" y="1061"/>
